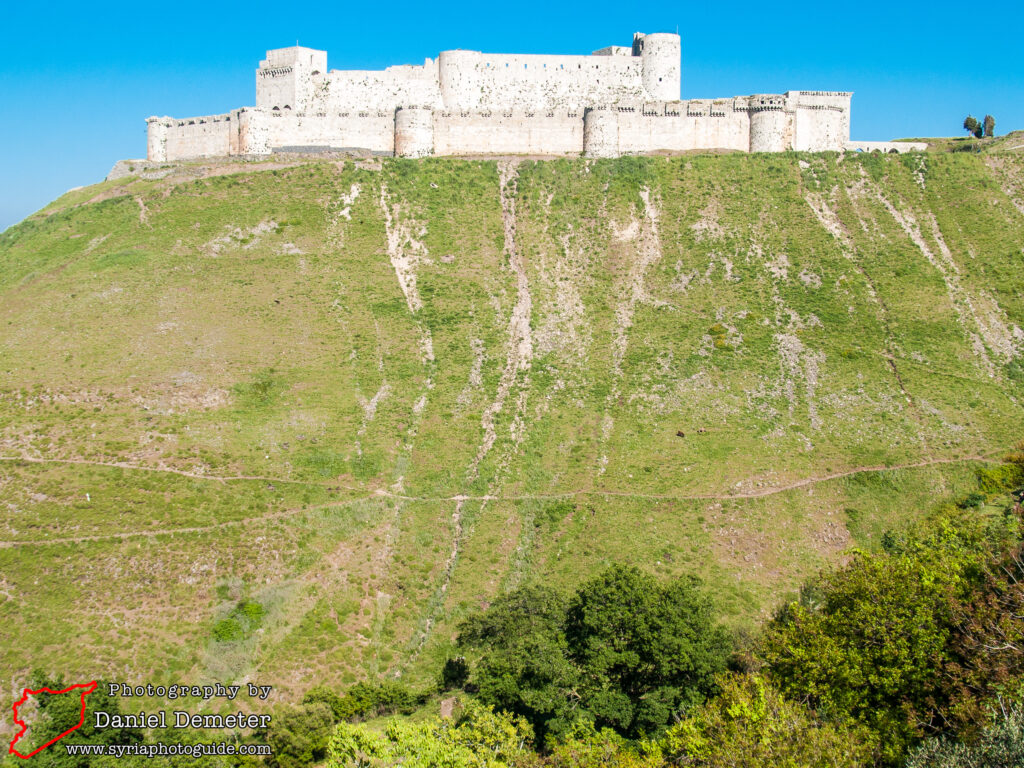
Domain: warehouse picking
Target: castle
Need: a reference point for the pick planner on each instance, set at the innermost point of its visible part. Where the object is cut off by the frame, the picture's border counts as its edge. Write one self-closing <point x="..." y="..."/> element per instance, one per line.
<point x="618" y="100"/>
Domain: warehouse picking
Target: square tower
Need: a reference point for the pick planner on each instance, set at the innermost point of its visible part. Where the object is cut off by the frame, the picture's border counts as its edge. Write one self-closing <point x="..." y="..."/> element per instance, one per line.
<point x="285" y="78"/>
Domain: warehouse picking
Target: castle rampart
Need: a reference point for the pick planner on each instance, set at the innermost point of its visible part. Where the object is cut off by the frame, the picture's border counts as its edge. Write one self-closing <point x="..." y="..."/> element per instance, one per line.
<point x="617" y="100"/>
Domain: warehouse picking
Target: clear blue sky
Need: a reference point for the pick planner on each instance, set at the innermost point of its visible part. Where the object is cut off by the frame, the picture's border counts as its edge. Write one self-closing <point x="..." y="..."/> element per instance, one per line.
<point x="77" y="80"/>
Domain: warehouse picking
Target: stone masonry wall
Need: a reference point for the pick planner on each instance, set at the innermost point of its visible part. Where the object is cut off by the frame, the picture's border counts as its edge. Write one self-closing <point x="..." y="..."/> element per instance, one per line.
<point x="471" y="80"/>
<point x="389" y="89"/>
<point x="681" y="126"/>
<point x="194" y="137"/>
<point x="513" y="131"/>
<point x="266" y="131"/>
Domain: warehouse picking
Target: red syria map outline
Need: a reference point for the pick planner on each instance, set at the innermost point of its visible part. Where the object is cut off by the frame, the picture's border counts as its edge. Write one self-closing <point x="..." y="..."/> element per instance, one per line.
<point x="87" y="688"/>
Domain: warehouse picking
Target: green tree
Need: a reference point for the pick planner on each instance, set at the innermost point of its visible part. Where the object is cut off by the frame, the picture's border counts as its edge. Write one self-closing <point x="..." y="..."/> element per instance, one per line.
<point x="626" y="652"/>
<point x="644" y="650"/>
<point x="989" y="125"/>
<point x="870" y="649"/>
<point x="894" y="638"/>
<point x="524" y="666"/>
<point x="972" y="126"/>
<point x="455" y="673"/>
<point x="985" y="647"/>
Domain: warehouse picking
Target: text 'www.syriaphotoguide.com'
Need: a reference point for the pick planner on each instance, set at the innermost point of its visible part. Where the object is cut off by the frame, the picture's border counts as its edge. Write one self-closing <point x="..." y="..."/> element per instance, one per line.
<point x="160" y="749"/>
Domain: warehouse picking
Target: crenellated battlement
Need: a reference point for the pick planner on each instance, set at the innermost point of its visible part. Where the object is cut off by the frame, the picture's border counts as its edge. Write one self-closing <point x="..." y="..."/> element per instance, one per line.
<point x="617" y="100"/>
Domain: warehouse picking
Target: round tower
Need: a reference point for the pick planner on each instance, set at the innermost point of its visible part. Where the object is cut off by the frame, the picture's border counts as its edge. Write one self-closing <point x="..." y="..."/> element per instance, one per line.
<point x="459" y="79"/>
<point x="661" y="69"/>
<point x="414" y="132"/>
<point x="600" y="132"/>
<point x="156" y="138"/>
<point x="769" y="123"/>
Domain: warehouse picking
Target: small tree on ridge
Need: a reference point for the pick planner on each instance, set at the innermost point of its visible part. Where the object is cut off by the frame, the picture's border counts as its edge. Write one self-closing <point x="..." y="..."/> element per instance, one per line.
<point x="989" y="126"/>
<point x="972" y="126"/>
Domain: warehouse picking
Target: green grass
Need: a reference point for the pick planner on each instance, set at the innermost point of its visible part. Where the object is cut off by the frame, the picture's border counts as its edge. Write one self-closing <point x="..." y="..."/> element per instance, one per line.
<point x="247" y="335"/>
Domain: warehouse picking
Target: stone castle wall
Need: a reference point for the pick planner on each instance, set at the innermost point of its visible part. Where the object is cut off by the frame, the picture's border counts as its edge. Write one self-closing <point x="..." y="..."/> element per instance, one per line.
<point x="208" y="136"/>
<point x="267" y="131"/>
<point x="508" y="132"/>
<point x="618" y="100"/>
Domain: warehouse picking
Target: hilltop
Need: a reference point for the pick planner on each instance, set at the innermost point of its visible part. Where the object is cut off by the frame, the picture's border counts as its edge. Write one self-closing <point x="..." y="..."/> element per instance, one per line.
<point x="292" y="420"/>
<point x="1010" y="142"/>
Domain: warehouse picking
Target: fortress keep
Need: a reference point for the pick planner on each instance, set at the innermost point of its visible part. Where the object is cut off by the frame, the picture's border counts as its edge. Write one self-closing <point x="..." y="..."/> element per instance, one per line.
<point x="618" y="100"/>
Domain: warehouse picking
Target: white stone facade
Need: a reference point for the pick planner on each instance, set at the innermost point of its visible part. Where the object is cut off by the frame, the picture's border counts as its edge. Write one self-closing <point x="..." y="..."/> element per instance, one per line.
<point x="618" y="100"/>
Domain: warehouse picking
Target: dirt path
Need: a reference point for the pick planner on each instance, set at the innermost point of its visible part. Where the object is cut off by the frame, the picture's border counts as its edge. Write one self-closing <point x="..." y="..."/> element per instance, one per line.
<point x="460" y="499"/>
<point x="285" y="513"/>
<point x="169" y="470"/>
<point x="754" y="494"/>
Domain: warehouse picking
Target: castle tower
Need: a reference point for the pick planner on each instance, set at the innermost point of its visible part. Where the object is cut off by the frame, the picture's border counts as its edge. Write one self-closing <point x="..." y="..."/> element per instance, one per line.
<point x="156" y="138"/>
<point x="285" y="78"/>
<point x="460" y="85"/>
<point x="661" y="67"/>
<point x="770" y="124"/>
<point x="414" y="132"/>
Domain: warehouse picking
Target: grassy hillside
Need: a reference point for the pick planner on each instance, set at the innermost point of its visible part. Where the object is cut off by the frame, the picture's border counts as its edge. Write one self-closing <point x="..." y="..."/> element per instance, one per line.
<point x="371" y="398"/>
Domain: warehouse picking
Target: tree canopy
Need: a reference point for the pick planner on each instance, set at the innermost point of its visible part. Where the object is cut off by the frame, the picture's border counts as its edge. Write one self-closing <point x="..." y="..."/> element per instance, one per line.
<point x="626" y="652"/>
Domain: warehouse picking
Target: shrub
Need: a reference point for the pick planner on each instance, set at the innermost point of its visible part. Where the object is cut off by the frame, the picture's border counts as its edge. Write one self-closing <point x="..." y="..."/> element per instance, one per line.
<point x="584" y="746"/>
<point x="325" y="695"/>
<point x="910" y="642"/>
<point x="299" y="735"/>
<point x="374" y="699"/>
<point x="227" y="631"/>
<point x="480" y="738"/>
<point x="244" y="619"/>
<point x="454" y="674"/>
<point x="999" y="745"/>
<point x="752" y="722"/>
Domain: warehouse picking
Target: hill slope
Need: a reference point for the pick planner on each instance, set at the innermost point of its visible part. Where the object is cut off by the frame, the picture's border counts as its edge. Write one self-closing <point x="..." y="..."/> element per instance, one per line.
<point x="369" y="398"/>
